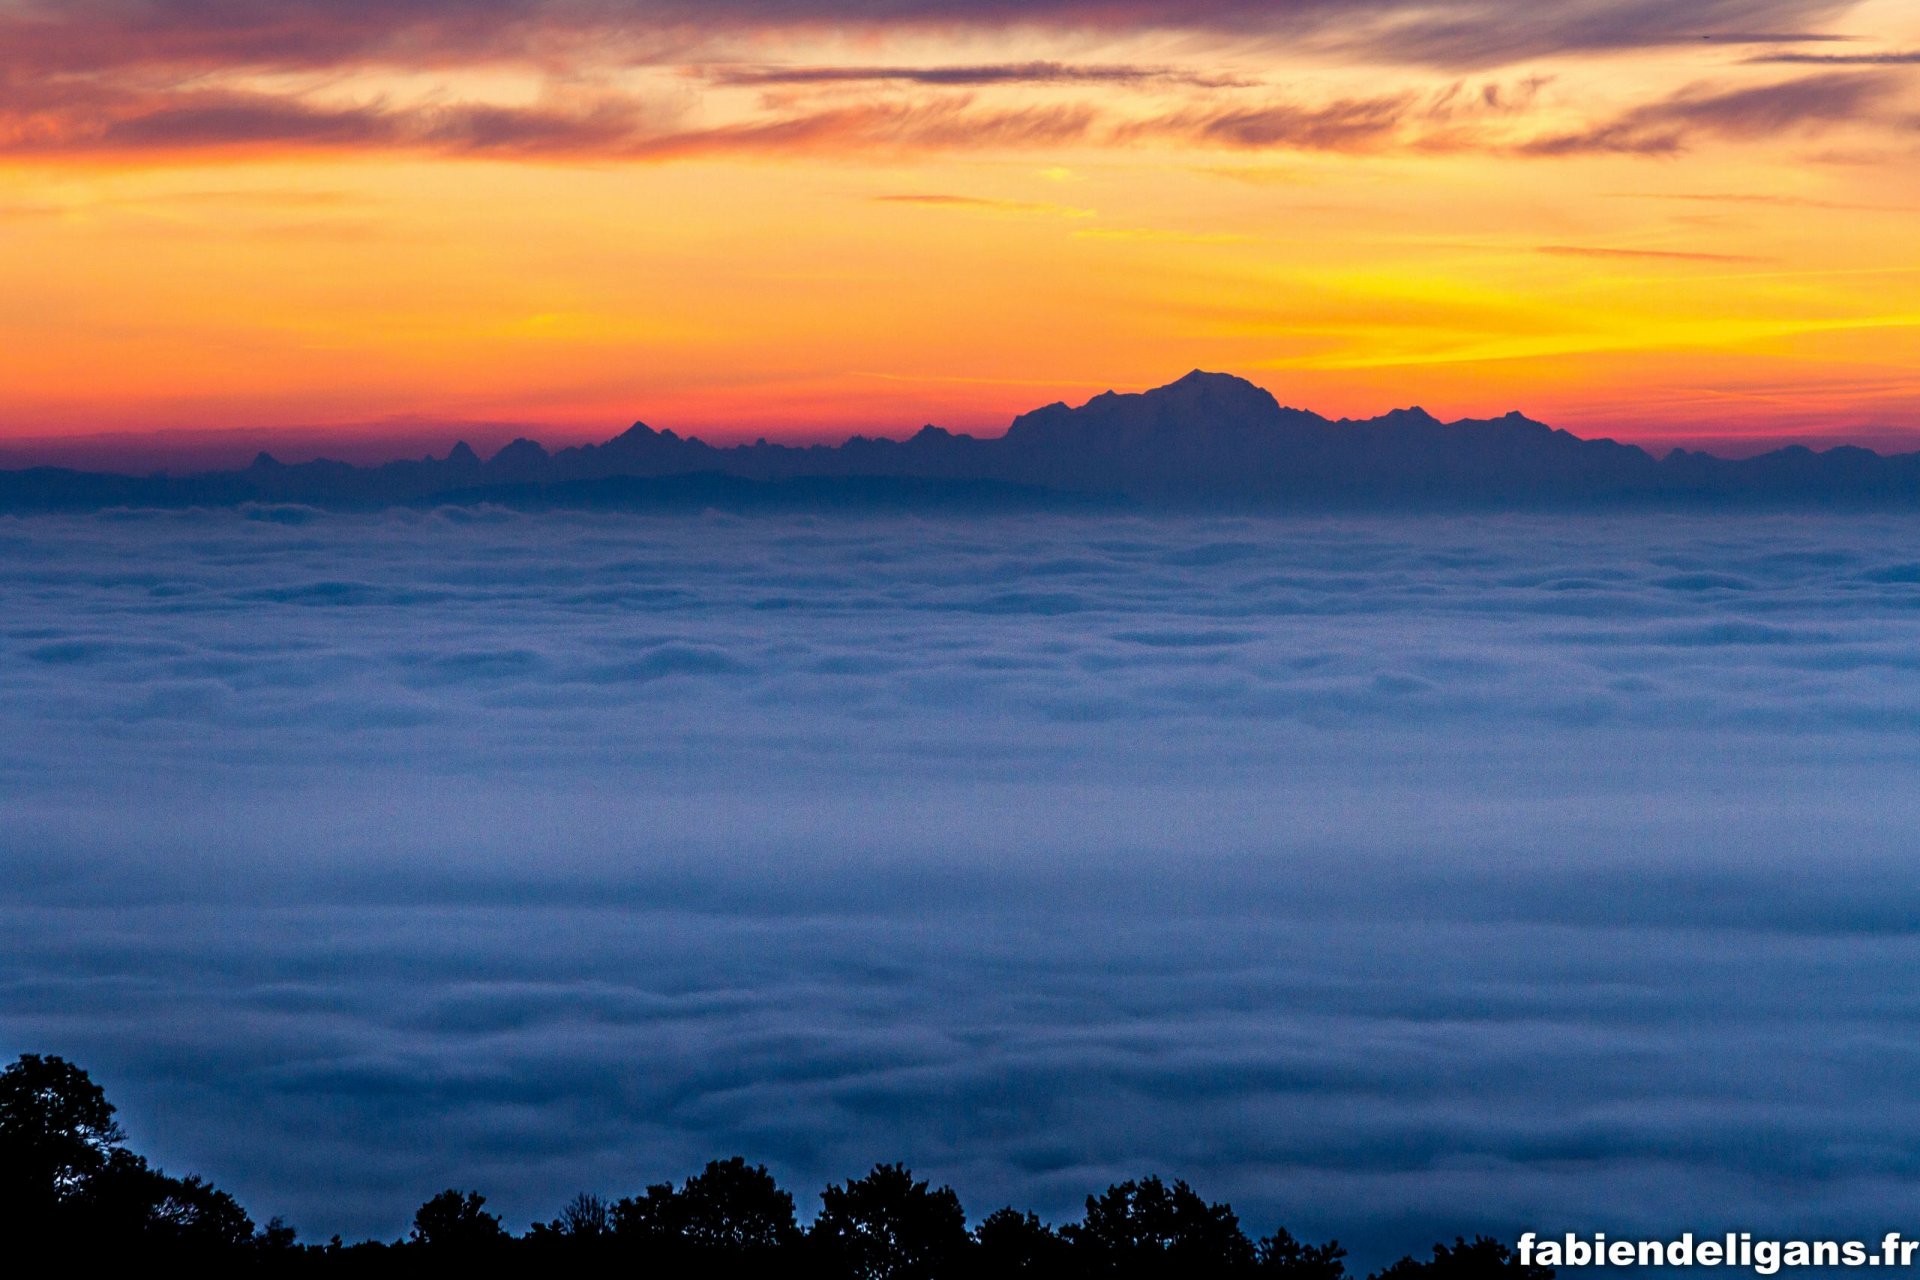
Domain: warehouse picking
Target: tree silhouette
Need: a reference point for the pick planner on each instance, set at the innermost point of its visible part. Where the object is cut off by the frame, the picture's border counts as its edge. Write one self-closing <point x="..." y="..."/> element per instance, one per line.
<point x="1280" y="1254"/>
<point x="886" y="1226"/>
<point x="581" y="1237"/>
<point x="454" y="1222"/>
<point x="648" y="1219"/>
<point x="64" y="1175"/>
<point x="277" y="1239"/>
<point x="70" y="1187"/>
<point x="1009" y="1242"/>
<point x="1463" y="1260"/>
<point x="730" y="1208"/>
<point x="586" y="1217"/>
<point x="1147" y="1228"/>
<point x="56" y="1133"/>
<point x="190" y="1214"/>
<point x="734" y="1207"/>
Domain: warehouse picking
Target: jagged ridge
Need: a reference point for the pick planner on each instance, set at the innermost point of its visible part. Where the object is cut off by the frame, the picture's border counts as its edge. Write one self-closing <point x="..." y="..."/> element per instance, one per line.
<point x="1208" y="440"/>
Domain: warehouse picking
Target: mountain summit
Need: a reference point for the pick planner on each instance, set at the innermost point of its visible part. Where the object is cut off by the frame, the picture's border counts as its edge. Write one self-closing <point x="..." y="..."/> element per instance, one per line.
<point x="1200" y="403"/>
<point x="1208" y="441"/>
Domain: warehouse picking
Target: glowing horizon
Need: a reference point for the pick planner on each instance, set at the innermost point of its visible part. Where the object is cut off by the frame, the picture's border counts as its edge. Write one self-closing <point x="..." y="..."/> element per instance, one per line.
<point x="813" y="220"/>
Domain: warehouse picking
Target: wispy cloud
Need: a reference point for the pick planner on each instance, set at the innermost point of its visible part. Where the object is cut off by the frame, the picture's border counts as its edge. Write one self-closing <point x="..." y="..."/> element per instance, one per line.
<point x="93" y="120"/>
<point x="622" y="129"/>
<point x="938" y="125"/>
<point x="1473" y="33"/>
<point x="1353" y="124"/>
<point x="82" y="36"/>
<point x="1444" y="119"/>
<point x="1786" y="106"/>
<point x="1776" y="37"/>
<point x="1900" y="58"/>
<point x="1012" y="73"/>
<point x="172" y="77"/>
<point x="113" y="121"/>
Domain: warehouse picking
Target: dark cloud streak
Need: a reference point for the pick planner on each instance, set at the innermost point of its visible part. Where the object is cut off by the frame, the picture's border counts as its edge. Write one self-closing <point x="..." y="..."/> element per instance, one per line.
<point x="84" y="36"/>
<point x="1902" y="58"/>
<point x="1018" y="73"/>
<point x="1788" y="106"/>
<point x="165" y="77"/>
<point x="616" y="128"/>
<point x="950" y="124"/>
<point x="214" y="121"/>
<point x="1361" y="124"/>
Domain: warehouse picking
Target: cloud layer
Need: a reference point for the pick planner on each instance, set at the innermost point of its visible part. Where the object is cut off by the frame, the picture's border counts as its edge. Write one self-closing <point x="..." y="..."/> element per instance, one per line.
<point x="1758" y="112"/>
<point x="166" y="78"/>
<point x="1381" y="876"/>
<point x="74" y="35"/>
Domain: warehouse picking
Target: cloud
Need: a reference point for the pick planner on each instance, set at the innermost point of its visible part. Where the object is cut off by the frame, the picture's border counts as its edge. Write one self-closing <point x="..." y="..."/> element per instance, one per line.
<point x="1019" y="73"/>
<point x="1900" y="58"/>
<point x="1383" y="876"/>
<point x="938" y="125"/>
<point x="125" y="122"/>
<point x="88" y="37"/>
<point x="607" y="128"/>
<point x="1787" y="106"/>
<point x="610" y="128"/>
<point x="1454" y="116"/>
<point x="1347" y="125"/>
<point x="168" y="79"/>
<point x="1478" y="35"/>
<point x="233" y="120"/>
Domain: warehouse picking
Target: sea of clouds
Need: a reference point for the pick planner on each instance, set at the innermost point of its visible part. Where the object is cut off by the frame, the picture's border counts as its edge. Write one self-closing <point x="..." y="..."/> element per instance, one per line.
<point x="1382" y="876"/>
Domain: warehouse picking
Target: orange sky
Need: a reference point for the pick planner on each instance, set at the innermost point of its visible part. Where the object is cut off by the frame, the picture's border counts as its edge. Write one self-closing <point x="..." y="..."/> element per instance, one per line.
<point x="571" y="215"/>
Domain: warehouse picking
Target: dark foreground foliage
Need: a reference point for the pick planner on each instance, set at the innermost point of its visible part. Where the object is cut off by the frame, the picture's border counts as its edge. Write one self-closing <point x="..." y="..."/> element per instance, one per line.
<point x="68" y="1183"/>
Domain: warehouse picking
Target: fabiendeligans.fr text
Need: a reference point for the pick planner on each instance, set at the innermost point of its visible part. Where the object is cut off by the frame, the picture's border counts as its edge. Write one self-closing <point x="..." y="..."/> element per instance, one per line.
<point x="1735" y="1249"/>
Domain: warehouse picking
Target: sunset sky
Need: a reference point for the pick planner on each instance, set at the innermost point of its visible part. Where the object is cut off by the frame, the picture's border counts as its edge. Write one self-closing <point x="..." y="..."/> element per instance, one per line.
<point x="362" y="219"/>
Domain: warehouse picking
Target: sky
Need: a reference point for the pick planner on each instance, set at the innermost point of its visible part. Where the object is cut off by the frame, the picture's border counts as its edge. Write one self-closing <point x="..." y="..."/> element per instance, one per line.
<point x="1386" y="877"/>
<point x="363" y="223"/>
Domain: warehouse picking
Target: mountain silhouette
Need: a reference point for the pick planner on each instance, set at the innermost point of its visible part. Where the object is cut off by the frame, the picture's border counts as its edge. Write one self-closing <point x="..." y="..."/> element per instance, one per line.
<point x="1208" y="441"/>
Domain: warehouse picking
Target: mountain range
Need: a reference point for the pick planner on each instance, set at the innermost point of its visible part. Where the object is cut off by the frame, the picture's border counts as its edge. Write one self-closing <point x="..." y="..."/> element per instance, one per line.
<point x="1207" y="441"/>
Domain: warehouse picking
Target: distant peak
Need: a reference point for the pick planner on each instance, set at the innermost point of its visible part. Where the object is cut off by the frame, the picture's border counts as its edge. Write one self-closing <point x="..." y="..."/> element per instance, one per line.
<point x="522" y="450"/>
<point x="1213" y="386"/>
<point x="1198" y="406"/>
<point x="640" y="440"/>
<point x="263" y="461"/>
<point x="463" y="453"/>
